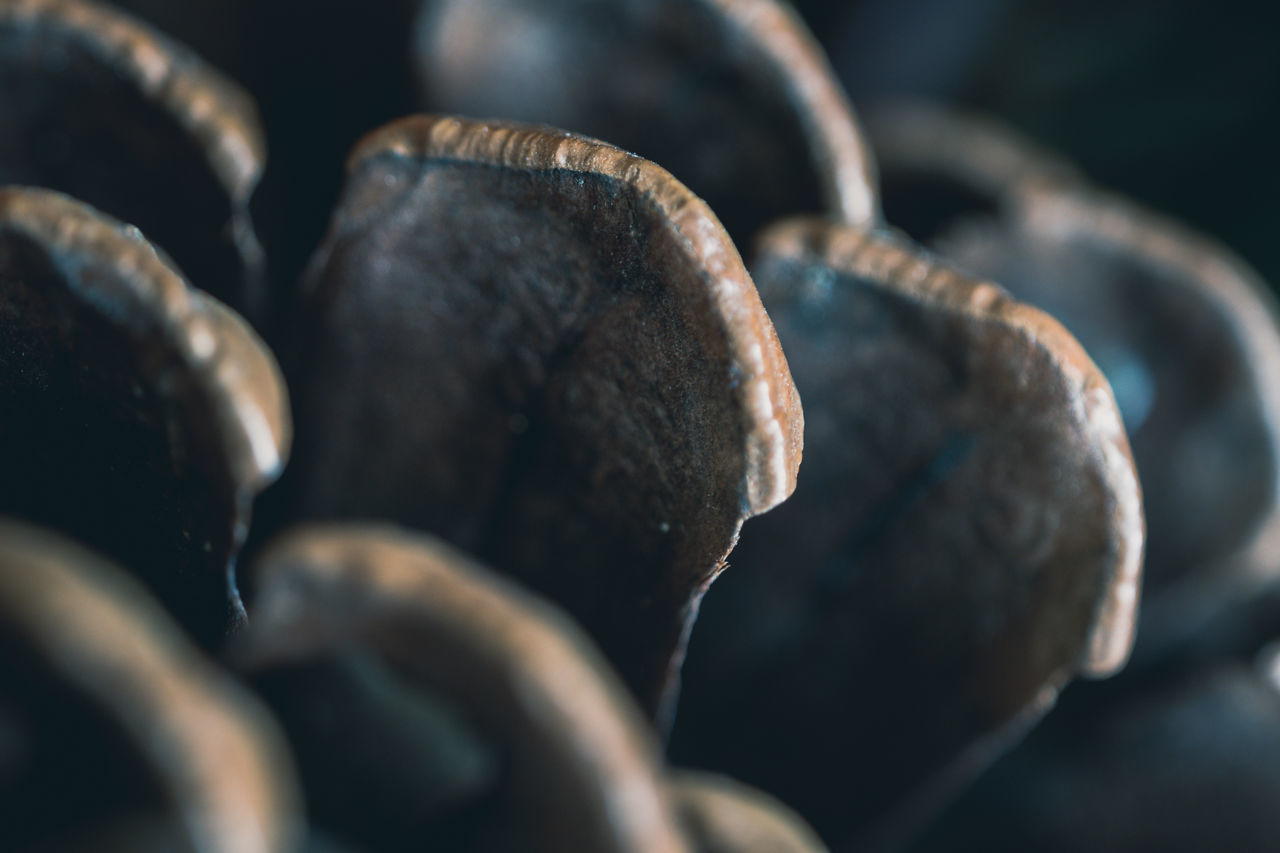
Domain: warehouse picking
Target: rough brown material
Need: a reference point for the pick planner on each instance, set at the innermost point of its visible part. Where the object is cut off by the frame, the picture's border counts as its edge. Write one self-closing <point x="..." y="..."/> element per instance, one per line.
<point x="579" y="771"/>
<point x="113" y="730"/>
<point x="970" y="540"/>
<point x="547" y="351"/>
<point x="1184" y="330"/>
<point x="723" y="816"/>
<point x="136" y="413"/>
<point x="734" y="97"/>
<point x="100" y="106"/>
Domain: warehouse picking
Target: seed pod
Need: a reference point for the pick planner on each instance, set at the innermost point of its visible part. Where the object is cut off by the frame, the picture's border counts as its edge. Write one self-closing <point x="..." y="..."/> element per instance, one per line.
<point x="99" y="106"/>
<point x="971" y="540"/>
<point x="734" y="97"/>
<point x="136" y="414"/>
<point x="548" y="352"/>
<point x="578" y="771"/>
<point x="114" y="732"/>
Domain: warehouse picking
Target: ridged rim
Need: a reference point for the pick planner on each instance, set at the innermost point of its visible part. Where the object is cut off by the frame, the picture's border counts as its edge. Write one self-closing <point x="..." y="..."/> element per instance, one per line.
<point x="1220" y="277"/>
<point x="232" y="363"/>
<point x="916" y="276"/>
<point x="1046" y="197"/>
<point x="765" y="392"/>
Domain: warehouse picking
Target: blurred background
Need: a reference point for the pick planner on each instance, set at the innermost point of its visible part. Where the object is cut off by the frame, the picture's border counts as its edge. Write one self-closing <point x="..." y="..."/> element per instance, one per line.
<point x="1175" y="103"/>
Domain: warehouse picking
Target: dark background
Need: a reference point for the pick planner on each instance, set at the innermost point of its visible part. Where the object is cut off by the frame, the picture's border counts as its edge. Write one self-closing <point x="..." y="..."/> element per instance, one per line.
<point x="1175" y="103"/>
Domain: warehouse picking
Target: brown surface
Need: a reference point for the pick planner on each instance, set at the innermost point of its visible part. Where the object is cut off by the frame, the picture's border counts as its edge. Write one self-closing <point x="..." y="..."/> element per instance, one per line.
<point x="103" y="108"/>
<point x="970" y="540"/>
<point x="723" y="816"/>
<point x="733" y="97"/>
<point x="136" y="413"/>
<point x="579" y="769"/>
<point x="113" y="729"/>
<point x="1186" y="332"/>
<point x="548" y="352"/>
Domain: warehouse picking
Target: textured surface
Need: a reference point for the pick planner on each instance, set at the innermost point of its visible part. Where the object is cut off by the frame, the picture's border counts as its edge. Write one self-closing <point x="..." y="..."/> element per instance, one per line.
<point x="113" y="730"/>
<point x="102" y="108"/>
<point x="136" y="414"/>
<point x="1185" y="332"/>
<point x="548" y="352"/>
<point x="970" y="539"/>
<point x="579" y="771"/>
<point x="731" y="96"/>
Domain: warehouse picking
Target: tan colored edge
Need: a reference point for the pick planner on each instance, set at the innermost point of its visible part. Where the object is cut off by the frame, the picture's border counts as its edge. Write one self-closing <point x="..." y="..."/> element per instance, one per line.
<point x="985" y="155"/>
<point x="220" y="757"/>
<point x="233" y="364"/>
<point x="836" y="139"/>
<point x="918" y="277"/>
<point x="765" y="392"/>
<point x="1061" y="213"/>
<point x="214" y="110"/>
<point x="726" y="815"/>
<point x="1050" y="199"/>
<point x="322" y="584"/>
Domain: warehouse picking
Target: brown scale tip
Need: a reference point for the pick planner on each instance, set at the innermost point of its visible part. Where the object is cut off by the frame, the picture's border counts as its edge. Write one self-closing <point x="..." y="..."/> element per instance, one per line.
<point x="913" y="274"/>
<point x="771" y="406"/>
<point x="233" y="363"/>
<point x="1187" y="331"/>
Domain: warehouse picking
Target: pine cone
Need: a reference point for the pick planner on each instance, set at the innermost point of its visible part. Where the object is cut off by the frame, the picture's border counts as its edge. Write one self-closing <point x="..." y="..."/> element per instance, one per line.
<point x="484" y="445"/>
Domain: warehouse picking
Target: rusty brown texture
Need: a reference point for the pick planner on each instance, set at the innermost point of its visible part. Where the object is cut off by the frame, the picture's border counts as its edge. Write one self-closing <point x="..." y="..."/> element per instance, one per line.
<point x="547" y="351"/>
<point x="971" y="539"/>
<point x="1184" y="329"/>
